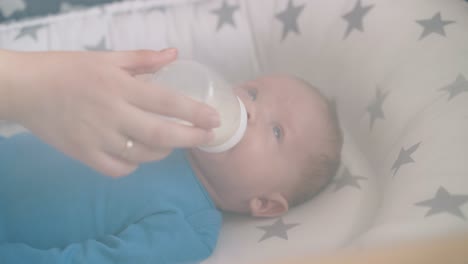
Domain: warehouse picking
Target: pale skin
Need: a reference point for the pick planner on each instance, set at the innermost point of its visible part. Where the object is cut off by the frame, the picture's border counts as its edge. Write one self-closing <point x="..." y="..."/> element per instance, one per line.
<point x="89" y="104"/>
<point x="285" y="123"/>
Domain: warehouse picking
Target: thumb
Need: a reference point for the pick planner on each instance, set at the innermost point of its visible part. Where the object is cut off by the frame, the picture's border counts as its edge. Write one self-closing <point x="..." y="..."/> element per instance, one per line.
<point x="145" y="61"/>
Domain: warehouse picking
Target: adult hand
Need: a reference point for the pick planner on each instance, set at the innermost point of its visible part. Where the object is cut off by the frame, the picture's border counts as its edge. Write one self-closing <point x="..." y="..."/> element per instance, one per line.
<point x="90" y="106"/>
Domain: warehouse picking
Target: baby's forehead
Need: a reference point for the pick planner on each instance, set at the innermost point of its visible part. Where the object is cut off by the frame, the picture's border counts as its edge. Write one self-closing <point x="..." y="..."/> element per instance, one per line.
<point x="288" y="87"/>
<point x="279" y="84"/>
<point x="282" y="78"/>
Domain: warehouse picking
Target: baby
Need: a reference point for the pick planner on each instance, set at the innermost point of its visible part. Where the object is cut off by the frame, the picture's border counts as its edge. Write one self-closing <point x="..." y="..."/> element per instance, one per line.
<point x="290" y="150"/>
<point x="55" y="210"/>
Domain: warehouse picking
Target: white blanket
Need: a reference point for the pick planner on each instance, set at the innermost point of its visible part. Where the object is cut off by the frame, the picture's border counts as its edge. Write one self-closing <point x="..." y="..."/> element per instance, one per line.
<point x="397" y="69"/>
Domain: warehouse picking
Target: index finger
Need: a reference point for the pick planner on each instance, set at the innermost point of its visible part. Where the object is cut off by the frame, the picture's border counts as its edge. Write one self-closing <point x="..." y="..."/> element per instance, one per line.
<point x="163" y="101"/>
<point x="156" y="132"/>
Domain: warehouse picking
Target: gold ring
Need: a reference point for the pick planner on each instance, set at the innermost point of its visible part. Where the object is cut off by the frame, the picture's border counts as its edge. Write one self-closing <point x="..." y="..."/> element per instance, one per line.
<point x="129" y="144"/>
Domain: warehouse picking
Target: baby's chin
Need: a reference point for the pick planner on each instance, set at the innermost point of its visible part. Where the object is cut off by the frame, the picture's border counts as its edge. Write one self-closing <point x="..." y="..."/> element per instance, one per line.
<point x="204" y="155"/>
<point x="225" y="158"/>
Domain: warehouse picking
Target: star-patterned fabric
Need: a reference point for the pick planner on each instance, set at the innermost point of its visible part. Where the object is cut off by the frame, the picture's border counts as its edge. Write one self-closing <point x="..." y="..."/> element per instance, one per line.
<point x="289" y="17"/>
<point x="15" y="10"/>
<point x="375" y="107"/>
<point x="355" y="17"/>
<point x="404" y="157"/>
<point x="347" y="179"/>
<point x="225" y="14"/>
<point x="434" y="25"/>
<point x="444" y="202"/>
<point x="396" y="70"/>
<point x="277" y="229"/>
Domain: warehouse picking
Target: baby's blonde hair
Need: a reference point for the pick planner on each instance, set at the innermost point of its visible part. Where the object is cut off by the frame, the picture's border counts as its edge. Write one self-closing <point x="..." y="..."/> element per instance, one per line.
<point x="321" y="167"/>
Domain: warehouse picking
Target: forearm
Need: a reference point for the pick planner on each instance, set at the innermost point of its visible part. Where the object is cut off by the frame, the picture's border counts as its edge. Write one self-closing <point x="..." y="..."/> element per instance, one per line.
<point x="450" y="249"/>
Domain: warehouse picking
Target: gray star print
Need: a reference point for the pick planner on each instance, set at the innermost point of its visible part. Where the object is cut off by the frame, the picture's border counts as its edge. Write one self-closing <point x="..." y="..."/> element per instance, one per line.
<point x="67" y="7"/>
<point x="434" y="25"/>
<point x="347" y="179"/>
<point x="12" y="6"/>
<point x="98" y="47"/>
<point x="29" y="31"/>
<point x="289" y="18"/>
<point x="355" y="17"/>
<point x="444" y="202"/>
<point x="375" y="107"/>
<point x="459" y="86"/>
<point x="225" y="14"/>
<point x="404" y="157"/>
<point x="277" y="229"/>
<point x="161" y="9"/>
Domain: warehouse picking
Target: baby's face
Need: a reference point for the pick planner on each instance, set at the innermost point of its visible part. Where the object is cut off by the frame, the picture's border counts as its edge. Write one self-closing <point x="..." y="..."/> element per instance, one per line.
<point x="283" y="128"/>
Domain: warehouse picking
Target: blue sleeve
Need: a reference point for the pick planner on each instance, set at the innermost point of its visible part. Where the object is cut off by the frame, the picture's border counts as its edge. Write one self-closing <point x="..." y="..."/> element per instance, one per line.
<point x="160" y="238"/>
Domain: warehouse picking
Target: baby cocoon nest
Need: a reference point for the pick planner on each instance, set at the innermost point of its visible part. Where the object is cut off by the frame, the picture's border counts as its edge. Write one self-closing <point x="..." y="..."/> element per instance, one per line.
<point x="54" y="209"/>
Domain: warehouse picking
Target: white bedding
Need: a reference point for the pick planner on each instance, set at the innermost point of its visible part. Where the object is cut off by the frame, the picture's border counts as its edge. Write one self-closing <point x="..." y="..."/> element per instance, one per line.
<point x="397" y="69"/>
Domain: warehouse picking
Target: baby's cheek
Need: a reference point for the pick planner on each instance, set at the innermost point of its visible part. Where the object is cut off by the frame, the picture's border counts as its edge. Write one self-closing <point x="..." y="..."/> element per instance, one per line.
<point x="247" y="148"/>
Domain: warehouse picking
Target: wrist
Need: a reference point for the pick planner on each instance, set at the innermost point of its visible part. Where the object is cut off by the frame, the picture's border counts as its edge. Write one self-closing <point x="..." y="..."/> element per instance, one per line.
<point x="10" y="84"/>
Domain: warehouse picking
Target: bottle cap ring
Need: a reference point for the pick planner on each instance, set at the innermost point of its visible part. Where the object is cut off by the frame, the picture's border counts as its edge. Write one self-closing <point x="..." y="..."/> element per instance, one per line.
<point x="236" y="137"/>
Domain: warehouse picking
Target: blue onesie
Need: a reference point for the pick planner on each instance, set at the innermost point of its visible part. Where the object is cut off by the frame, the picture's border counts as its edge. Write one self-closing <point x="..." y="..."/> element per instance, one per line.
<point x="53" y="209"/>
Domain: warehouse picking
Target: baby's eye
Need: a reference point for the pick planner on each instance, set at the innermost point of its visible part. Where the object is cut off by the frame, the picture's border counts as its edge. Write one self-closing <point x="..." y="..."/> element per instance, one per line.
<point x="278" y="132"/>
<point x="252" y="94"/>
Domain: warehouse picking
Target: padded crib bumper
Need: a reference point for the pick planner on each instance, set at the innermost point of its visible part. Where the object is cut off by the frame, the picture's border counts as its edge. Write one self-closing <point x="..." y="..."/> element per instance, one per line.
<point x="397" y="70"/>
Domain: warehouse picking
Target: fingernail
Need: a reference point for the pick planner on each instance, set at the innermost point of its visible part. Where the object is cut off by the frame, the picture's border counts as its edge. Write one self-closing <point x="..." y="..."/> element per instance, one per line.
<point x="169" y="51"/>
<point x="214" y="120"/>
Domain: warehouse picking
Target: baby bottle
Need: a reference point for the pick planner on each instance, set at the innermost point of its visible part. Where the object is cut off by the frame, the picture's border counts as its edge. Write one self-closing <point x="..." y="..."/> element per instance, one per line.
<point x="202" y="84"/>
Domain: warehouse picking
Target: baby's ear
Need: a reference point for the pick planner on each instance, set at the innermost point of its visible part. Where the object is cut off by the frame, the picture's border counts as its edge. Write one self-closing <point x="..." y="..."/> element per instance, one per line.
<point x="272" y="205"/>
